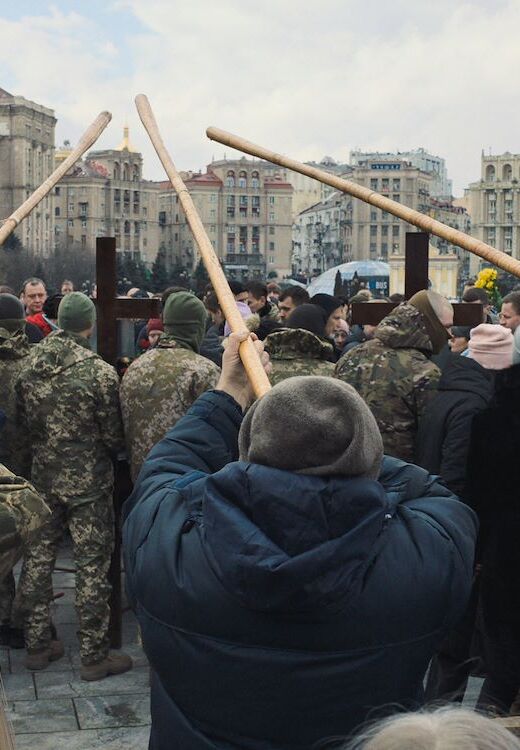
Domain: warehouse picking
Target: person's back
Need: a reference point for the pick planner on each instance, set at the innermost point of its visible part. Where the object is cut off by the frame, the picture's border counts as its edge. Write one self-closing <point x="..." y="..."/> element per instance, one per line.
<point x="298" y="352"/>
<point x="394" y="374"/>
<point x="159" y="387"/>
<point x="274" y="593"/>
<point x="302" y="348"/>
<point x="14" y="348"/>
<point x="68" y="396"/>
<point x="465" y="388"/>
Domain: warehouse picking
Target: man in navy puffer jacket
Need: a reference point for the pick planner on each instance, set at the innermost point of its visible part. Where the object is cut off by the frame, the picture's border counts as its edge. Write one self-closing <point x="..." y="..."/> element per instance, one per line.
<point x="286" y="597"/>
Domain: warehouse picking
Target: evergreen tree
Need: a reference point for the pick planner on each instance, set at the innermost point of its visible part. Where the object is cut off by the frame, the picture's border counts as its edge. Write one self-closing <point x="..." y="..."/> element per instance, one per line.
<point x="200" y="278"/>
<point x="159" y="272"/>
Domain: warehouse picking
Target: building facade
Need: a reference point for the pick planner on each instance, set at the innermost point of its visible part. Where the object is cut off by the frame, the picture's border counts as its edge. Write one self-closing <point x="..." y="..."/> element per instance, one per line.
<point x="27" y="159"/>
<point x="494" y="205"/>
<point x="440" y="185"/>
<point x="105" y="195"/>
<point x="247" y="214"/>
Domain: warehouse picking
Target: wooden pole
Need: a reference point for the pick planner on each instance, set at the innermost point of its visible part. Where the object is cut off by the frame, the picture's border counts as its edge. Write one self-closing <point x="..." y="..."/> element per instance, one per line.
<point x="89" y="137"/>
<point x="426" y="223"/>
<point x="248" y="353"/>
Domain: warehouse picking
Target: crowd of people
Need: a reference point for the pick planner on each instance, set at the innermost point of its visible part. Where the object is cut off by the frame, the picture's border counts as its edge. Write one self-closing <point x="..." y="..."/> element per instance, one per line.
<point x="339" y="550"/>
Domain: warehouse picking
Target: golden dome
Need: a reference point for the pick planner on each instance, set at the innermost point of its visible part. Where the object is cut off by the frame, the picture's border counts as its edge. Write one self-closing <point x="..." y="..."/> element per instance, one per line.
<point x="125" y="144"/>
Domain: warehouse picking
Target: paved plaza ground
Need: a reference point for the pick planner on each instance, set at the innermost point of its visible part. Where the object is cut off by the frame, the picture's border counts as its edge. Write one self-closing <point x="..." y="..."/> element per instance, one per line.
<point x="55" y="710"/>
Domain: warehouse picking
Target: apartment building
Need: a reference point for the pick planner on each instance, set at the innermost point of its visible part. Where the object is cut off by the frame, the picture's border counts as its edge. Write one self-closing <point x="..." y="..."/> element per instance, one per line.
<point x="247" y="213"/>
<point x="440" y="185"/>
<point x="105" y="195"/>
<point x="27" y="159"/>
<point x="494" y="204"/>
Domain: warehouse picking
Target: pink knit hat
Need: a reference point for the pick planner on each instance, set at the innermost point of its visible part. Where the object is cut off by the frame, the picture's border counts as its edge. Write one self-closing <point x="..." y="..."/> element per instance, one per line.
<point x="491" y="346"/>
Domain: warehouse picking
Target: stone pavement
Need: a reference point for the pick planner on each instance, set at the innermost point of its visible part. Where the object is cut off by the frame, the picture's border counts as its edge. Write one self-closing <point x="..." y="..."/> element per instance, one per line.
<point x="55" y="710"/>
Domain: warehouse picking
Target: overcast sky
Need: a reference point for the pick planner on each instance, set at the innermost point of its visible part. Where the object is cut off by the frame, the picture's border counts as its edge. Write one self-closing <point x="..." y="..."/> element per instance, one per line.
<point x="305" y="78"/>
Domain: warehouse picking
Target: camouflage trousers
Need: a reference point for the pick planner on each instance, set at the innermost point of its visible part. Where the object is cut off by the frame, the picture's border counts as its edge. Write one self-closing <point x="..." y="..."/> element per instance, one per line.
<point x="91" y="527"/>
<point x="7" y="590"/>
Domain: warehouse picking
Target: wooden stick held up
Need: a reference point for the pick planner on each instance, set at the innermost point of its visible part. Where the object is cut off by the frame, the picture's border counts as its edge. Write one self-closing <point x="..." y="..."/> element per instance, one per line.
<point x="88" y="138"/>
<point x="426" y="223"/>
<point x="248" y="353"/>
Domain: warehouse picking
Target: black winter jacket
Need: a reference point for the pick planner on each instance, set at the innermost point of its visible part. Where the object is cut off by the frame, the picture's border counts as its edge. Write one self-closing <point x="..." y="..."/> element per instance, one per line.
<point x="465" y="389"/>
<point x="278" y="609"/>
<point x="494" y="491"/>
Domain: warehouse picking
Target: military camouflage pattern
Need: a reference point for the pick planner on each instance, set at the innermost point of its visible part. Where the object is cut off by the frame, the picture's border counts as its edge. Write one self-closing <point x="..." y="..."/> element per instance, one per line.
<point x="14" y="441"/>
<point x="91" y="528"/>
<point x="157" y="390"/>
<point x="394" y="375"/>
<point x="295" y="351"/>
<point x="68" y="398"/>
<point x="22" y="513"/>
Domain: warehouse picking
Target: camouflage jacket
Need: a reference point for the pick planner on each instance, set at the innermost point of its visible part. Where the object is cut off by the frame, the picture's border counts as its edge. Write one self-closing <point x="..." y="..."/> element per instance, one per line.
<point x="22" y="513"/>
<point x="395" y="376"/>
<point x="15" y="450"/>
<point x="69" y="401"/>
<point x="295" y="351"/>
<point x="157" y="390"/>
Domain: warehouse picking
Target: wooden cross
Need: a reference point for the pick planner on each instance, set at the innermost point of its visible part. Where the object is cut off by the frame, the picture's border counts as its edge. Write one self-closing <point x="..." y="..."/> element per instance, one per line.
<point x="415" y="279"/>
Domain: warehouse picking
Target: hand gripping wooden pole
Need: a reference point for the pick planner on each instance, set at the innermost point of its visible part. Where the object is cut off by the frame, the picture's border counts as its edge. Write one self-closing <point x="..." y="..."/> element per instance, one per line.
<point x="426" y="223"/>
<point x="88" y="138"/>
<point x="248" y="353"/>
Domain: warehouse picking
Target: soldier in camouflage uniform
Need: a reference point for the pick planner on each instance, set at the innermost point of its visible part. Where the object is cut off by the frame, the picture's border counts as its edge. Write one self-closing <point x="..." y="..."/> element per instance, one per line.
<point x="14" y="443"/>
<point x="22" y="513"/>
<point x="159" y="387"/>
<point x="301" y="348"/>
<point x="68" y="397"/>
<point x="393" y="372"/>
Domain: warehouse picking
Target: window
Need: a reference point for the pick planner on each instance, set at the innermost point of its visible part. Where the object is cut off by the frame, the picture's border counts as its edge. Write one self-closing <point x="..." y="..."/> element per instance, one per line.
<point x="373" y="248"/>
<point x="243" y="240"/>
<point x="373" y="230"/>
<point x="373" y="215"/>
<point x="255" y="205"/>
<point x="230" y="179"/>
<point x="230" y="243"/>
<point x="231" y="229"/>
<point x="83" y="240"/>
<point x="373" y="183"/>
<point x="384" y="231"/>
<point x="162" y="218"/>
<point x="70" y="223"/>
<point x="395" y="230"/>
<point x="271" y="246"/>
<point x="136" y="227"/>
<point x="271" y="215"/>
<point x="242" y="180"/>
<point x="396" y="197"/>
<point x="83" y="223"/>
<point x="71" y="208"/>
<point x="57" y="190"/>
<point x="212" y="197"/>
<point x="271" y="200"/>
<point x="57" y="211"/>
<point x="212" y="213"/>
<point x="83" y="209"/>
<point x="384" y="249"/>
<point x="385" y="184"/>
<point x="271" y="230"/>
<point x="255" y="180"/>
<point x="270" y="259"/>
<point x="396" y="184"/>
<point x="385" y="216"/>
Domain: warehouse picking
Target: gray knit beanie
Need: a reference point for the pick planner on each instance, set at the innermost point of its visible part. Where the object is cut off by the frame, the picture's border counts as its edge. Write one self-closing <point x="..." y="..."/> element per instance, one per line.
<point x="12" y="314"/>
<point x="76" y="312"/>
<point x="327" y="429"/>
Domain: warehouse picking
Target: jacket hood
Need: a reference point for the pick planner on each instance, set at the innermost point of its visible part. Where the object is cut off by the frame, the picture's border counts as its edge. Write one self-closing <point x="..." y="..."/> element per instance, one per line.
<point x="404" y="328"/>
<point x="465" y="374"/>
<point x="297" y="343"/>
<point x="290" y="543"/>
<point x="56" y="353"/>
<point x="13" y="345"/>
